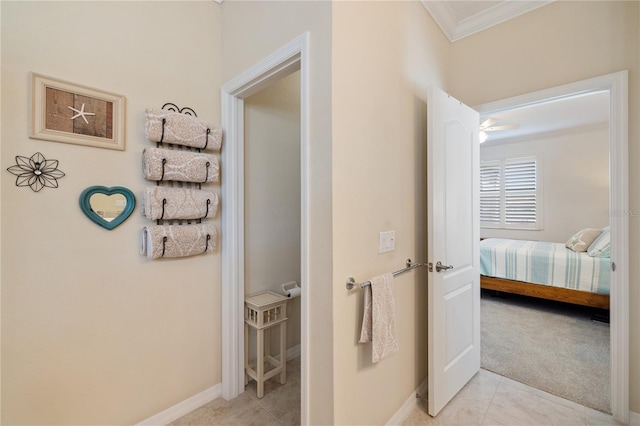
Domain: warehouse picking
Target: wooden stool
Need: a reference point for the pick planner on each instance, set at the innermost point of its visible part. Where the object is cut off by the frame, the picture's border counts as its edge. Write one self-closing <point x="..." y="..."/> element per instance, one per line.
<point x="263" y="311"/>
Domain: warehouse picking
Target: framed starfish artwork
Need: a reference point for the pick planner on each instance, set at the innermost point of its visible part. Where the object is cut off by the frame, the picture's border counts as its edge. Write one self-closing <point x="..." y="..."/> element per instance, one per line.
<point x="70" y="113"/>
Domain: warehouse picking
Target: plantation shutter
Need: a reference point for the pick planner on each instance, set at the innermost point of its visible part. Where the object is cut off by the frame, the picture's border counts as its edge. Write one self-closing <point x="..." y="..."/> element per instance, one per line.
<point x="520" y="192"/>
<point x="490" y="189"/>
<point x="510" y="196"/>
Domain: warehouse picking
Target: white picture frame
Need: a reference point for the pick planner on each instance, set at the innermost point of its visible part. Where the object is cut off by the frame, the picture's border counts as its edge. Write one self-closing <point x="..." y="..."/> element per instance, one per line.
<point x="66" y="112"/>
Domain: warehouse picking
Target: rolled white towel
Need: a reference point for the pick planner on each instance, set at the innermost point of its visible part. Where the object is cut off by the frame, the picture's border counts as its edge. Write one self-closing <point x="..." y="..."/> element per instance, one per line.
<point x="177" y="240"/>
<point x="181" y="129"/>
<point x="160" y="164"/>
<point x="165" y="202"/>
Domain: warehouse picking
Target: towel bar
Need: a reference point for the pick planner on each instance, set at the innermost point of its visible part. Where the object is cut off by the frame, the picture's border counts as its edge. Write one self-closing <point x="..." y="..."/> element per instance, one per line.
<point x="351" y="282"/>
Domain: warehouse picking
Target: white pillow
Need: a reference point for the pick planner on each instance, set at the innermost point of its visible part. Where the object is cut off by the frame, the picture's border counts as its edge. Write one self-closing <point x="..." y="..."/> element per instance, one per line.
<point x="581" y="241"/>
<point x="601" y="246"/>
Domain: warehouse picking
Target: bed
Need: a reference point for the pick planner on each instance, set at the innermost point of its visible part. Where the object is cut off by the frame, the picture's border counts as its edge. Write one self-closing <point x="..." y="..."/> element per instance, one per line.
<point x="545" y="270"/>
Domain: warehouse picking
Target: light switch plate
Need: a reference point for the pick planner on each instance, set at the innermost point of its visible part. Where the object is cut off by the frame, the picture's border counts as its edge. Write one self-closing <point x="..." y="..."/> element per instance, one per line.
<point x="387" y="241"/>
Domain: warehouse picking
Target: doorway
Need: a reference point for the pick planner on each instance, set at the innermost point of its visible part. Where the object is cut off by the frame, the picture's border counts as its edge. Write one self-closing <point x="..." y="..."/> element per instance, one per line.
<point x="272" y="231"/>
<point x="282" y="63"/>
<point x="616" y="85"/>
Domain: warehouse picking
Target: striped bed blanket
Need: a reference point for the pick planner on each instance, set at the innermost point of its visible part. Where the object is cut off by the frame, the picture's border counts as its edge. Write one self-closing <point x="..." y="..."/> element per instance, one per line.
<point x="544" y="263"/>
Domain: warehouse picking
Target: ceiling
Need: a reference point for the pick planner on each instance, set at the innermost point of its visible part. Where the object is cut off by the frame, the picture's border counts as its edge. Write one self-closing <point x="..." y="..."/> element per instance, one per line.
<point x="461" y="18"/>
<point x="566" y="114"/>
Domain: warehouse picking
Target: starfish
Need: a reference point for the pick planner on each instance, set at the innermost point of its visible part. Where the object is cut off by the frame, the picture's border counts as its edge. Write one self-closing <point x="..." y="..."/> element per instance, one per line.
<point x="81" y="113"/>
<point x="576" y="241"/>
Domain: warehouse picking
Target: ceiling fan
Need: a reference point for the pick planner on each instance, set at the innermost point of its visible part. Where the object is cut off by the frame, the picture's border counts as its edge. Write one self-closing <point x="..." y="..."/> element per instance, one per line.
<point x="492" y="124"/>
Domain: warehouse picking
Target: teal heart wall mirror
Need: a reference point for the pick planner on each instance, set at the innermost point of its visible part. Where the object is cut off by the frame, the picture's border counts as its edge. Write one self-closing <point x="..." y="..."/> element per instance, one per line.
<point x="108" y="207"/>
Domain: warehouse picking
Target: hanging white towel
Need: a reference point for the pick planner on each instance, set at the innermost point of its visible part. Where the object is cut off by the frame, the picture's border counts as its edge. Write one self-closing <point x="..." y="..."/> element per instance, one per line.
<point x="379" y="319"/>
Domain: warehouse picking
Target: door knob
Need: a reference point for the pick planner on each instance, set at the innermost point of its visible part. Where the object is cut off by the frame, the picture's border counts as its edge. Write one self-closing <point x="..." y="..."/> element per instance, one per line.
<point x="441" y="267"/>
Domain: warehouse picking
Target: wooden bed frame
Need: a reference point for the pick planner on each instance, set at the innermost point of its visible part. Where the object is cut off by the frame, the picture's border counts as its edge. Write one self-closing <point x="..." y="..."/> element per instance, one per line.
<point x="559" y="294"/>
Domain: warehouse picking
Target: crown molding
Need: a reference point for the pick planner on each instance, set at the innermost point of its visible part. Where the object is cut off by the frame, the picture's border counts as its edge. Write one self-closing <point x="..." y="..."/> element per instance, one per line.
<point x="456" y="29"/>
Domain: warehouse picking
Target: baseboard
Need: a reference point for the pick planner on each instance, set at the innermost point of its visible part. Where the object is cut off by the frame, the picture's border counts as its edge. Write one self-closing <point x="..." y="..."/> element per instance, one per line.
<point x="188" y="405"/>
<point x="293" y="352"/>
<point x="185" y="407"/>
<point x="634" y="419"/>
<point x="423" y="389"/>
<point x="197" y="401"/>
<point x="404" y="410"/>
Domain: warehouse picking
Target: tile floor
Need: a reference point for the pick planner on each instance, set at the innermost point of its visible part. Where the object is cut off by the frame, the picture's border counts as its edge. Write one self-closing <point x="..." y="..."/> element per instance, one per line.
<point x="488" y="399"/>
<point x="280" y="405"/>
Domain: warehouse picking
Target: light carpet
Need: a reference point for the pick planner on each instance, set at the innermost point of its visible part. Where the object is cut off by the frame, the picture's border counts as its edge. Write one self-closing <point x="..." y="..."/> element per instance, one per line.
<point x="554" y="347"/>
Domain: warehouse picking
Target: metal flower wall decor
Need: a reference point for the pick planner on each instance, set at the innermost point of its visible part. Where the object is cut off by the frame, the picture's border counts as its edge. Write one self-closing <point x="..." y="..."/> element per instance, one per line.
<point x="36" y="172"/>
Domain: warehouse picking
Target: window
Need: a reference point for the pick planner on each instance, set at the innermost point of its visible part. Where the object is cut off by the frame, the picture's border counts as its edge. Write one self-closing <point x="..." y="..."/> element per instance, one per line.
<point x="510" y="194"/>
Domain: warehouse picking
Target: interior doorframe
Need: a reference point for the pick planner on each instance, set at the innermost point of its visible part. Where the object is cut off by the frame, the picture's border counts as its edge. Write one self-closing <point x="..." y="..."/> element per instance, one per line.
<point x="292" y="57"/>
<point x="617" y="86"/>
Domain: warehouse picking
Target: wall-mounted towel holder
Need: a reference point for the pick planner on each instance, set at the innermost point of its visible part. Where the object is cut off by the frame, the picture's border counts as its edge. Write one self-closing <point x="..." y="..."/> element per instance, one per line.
<point x="175" y="108"/>
<point x="178" y="161"/>
<point x="206" y="140"/>
<point x="206" y="247"/>
<point x="184" y="110"/>
<point x="164" y="203"/>
<point x="169" y="106"/>
<point x="198" y="220"/>
<point x="351" y="282"/>
<point x="198" y="184"/>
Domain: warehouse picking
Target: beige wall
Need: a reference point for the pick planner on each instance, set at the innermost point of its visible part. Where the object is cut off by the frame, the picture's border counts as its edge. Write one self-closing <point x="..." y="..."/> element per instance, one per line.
<point x="1" y="180"/>
<point x="385" y="55"/>
<point x="574" y="171"/>
<point x="272" y="195"/>
<point x="146" y="335"/>
<point x="560" y="43"/>
<point x="92" y="332"/>
<point x="251" y="31"/>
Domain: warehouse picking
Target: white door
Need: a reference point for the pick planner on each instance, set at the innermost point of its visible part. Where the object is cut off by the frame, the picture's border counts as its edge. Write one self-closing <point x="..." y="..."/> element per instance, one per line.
<point x="453" y="228"/>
